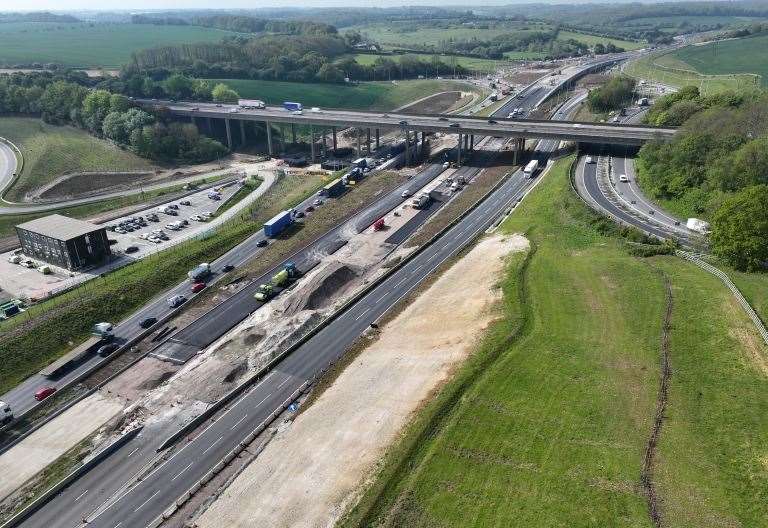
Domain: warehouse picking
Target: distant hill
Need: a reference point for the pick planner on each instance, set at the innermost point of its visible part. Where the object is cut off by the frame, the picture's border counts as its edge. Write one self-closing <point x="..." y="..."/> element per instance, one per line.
<point x="42" y="16"/>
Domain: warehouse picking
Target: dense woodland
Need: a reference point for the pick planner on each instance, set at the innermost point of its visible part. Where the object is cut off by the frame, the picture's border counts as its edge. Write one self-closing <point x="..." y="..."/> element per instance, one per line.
<point x="613" y="95"/>
<point x="717" y="167"/>
<point x="70" y="98"/>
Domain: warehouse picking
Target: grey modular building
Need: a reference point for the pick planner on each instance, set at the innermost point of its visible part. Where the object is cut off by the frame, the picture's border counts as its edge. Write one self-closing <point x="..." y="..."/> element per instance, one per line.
<point x="64" y="242"/>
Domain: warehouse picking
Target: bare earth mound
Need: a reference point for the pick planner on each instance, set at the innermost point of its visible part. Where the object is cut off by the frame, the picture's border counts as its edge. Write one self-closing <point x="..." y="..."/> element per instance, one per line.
<point x="312" y="470"/>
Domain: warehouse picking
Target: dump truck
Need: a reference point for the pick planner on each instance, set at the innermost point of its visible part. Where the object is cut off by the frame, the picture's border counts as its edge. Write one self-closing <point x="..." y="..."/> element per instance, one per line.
<point x="6" y="413"/>
<point x="285" y="275"/>
<point x="420" y="201"/>
<point x="199" y="272"/>
<point x="265" y="293"/>
<point x="700" y="226"/>
<point x="278" y="223"/>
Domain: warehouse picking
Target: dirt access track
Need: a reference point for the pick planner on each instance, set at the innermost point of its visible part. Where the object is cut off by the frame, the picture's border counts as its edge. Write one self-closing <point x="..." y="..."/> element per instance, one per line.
<point x="313" y="470"/>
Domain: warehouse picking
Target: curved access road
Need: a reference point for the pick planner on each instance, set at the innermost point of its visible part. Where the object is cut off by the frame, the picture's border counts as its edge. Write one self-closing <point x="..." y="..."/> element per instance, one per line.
<point x="8" y="164"/>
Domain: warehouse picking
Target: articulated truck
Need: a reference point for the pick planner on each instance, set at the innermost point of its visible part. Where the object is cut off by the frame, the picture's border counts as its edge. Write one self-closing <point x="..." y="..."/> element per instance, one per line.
<point x="251" y="104"/>
<point x="279" y="280"/>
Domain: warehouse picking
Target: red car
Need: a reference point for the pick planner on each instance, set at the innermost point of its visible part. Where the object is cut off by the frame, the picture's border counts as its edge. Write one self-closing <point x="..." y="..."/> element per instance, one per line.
<point x="198" y="287"/>
<point x="43" y="393"/>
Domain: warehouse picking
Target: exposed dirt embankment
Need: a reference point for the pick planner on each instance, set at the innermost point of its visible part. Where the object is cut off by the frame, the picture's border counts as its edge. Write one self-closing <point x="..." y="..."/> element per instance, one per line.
<point x="312" y="470"/>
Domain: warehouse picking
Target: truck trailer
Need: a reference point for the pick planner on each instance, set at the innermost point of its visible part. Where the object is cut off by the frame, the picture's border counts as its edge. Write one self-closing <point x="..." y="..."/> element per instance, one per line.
<point x="199" y="272"/>
<point x="251" y="104"/>
<point x="292" y="107"/>
<point x="531" y="168"/>
<point x="278" y="223"/>
<point x="333" y="189"/>
<point x="700" y="226"/>
<point x="6" y="413"/>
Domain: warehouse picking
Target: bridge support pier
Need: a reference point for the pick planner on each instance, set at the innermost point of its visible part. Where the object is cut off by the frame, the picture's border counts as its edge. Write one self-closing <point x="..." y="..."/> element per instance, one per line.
<point x="407" y="148"/>
<point x="458" y="152"/>
<point x="423" y="142"/>
<point x="377" y="139"/>
<point x="335" y="145"/>
<point x="293" y="133"/>
<point x="368" y="141"/>
<point x="357" y="140"/>
<point x="209" y="125"/>
<point x="229" y="134"/>
<point x="472" y="142"/>
<point x="242" y="132"/>
<point x="270" y="148"/>
<point x="325" y="145"/>
<point x="312" y="141"/>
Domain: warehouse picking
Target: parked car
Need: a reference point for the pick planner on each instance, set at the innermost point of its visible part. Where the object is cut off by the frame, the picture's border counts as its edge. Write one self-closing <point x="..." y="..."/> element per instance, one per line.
<point x="149" y="321"/>
<point x="107" y="349"/>
<point x="131" y="249"/>
<point x="176" y="301"/>
<point x="198" y="287"/>
<point x="44" y="392"/>
<point x="185" y="202"/>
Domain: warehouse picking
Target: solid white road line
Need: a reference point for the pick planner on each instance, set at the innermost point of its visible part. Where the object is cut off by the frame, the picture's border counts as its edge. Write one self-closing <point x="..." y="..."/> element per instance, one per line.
<point x="81" y="495"/>
<point x="213" y="444"/>
<point x="239" y="421"/>
<point x="132" y="452"/>
<point x="182" y="471"/>
<point x="146" y="501"/>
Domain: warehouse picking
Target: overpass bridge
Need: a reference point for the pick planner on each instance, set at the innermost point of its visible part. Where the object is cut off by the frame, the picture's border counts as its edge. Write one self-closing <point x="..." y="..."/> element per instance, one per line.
<point x="466" y="127"/>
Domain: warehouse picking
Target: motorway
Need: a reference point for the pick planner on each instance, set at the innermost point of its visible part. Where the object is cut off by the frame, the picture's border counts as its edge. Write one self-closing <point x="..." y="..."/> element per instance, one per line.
<point x="153" y="494"/>
<point x="604" y="133"/>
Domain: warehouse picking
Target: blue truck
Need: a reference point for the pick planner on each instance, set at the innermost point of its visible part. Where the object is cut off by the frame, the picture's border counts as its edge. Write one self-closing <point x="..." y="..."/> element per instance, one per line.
<point x="292" y="107"/>
<point x="278" y="223"/>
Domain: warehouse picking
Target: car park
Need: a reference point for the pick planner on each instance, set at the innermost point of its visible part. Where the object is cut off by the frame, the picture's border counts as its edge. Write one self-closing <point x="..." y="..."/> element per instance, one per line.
<point x="44" y="392"/>
<point x="185" y="202"/>
<point x="206" y="214"/>
<point x="149" y="321"/>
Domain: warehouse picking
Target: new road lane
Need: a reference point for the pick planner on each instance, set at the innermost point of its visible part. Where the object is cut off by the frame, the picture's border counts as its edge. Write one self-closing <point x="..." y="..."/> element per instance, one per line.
<point x="150" y="497"/>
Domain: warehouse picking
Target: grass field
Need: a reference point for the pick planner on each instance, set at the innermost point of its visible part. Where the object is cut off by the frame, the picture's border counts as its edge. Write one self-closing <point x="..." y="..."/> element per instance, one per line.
<point x="394" y="35"/>
<point x="667" y="70"/>
<point x="370" y="95"/>
<point x="472" y="63"/>
<point x="50" y="151"/>
<point x="747" y="55"/>
<point x="91" y="45"/>
<point x="591" y="40"/>
<point x="547" y="424"/>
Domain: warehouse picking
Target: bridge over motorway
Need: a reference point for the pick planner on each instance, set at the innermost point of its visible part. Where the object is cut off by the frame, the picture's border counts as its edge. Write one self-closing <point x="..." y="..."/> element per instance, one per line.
<point x="466" y="127"/>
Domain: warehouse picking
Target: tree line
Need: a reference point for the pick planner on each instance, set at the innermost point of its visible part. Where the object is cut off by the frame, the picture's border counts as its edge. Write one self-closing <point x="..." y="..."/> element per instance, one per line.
<point x="716" y="167"/>
<point x="69" y="99"/>
<point x="240" y="24"/>
<point x="613" y="95"/>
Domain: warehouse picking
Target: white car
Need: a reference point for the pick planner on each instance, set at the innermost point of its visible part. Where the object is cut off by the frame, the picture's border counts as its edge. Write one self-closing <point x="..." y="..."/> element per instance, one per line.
<point x="623" y="178"/>
<point x="172" y="227"/>
<point x="196" y="218"/>
<point x="589" y="159"/>
<point x="154" y="239"/>
<point x="406" y="193"/>
<point x="144" y="236"/>
<point x="297" y="112"/>
<point x="206" y="214"/>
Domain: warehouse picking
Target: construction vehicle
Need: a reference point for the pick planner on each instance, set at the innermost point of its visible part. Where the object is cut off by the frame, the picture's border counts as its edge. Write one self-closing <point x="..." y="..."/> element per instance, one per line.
<point x="6" y="414"/>
<point x="379" y="225"/>
<point x="420" y="201"/>
<point x="200" y="272"/>
<point x="265" y="293"/>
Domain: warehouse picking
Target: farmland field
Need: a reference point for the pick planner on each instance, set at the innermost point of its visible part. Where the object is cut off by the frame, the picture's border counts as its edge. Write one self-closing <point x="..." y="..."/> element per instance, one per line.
<point x="91" y="45"/>
<point x="394" y="35"/>
<point x="547" y="424"/>
<point x="368" y="95"/>
<point x="50" y="151"/>
<point x="747" y="55"/>
<point x="591" y="40"/>
<point x="472" y="63"/>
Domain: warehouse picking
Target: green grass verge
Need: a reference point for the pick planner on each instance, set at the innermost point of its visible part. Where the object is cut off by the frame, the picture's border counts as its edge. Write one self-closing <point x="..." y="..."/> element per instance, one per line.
<point x="50" y="151"/>
<point x="546" y="424"/>
<point x="368" y="95"/>
<point x="739" y="56"/>
<point x="92" y="45"/>
<point x="30" y="342"/>
<point x="472" y="63"/>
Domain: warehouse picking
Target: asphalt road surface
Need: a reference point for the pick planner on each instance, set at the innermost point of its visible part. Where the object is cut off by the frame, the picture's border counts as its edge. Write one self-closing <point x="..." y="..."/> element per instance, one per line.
<point x="153" y="494"/>
<point x="7" y="165"/>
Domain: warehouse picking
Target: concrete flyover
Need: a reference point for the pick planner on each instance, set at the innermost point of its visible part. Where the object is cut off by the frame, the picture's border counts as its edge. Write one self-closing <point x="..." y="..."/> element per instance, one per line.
<point x="465" y="126"/>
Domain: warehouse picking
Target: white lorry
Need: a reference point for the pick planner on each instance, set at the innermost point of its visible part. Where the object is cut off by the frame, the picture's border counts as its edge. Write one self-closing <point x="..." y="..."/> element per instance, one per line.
<point x="420" y="201"/>
<point x="531" y="168"/>
<point x="700" y="226"/>
<point x="251" y="104"/>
